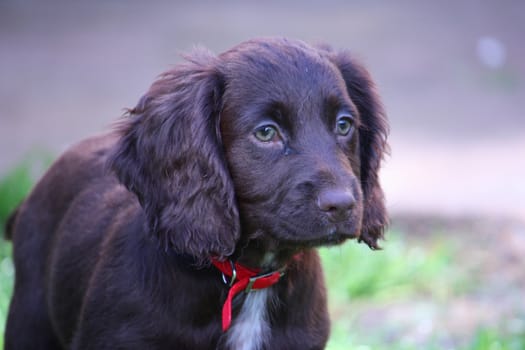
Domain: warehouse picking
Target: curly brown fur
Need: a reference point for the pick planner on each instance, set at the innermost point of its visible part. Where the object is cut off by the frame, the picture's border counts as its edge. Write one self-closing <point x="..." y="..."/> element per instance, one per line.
<point x="259" y="154"/>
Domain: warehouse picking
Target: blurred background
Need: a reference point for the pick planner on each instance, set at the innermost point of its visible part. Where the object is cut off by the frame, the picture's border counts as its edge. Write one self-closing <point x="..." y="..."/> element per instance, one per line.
<point x="452" y="78"/>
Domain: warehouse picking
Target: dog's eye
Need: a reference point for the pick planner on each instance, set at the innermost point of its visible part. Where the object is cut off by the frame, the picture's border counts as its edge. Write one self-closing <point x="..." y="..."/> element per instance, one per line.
<point x="266" y="133"/>
<point x="344" y="126"/>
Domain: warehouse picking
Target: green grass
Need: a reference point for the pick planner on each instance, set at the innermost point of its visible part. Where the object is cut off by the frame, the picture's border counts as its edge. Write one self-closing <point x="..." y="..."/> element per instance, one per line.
<point x="484" y="339"/>
<point x="401" y="269"/>
<point x="405" y="270"/>
<point x="17" y="183"/>
<point x="357" y="276"/>
<point x="358" y="279"/>
<point x="6" y="284"/>
<point x="490" y="339"/>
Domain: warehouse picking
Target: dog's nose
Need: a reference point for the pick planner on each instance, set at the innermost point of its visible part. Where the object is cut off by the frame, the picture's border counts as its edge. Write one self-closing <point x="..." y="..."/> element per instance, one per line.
<point x="337" y="203"/>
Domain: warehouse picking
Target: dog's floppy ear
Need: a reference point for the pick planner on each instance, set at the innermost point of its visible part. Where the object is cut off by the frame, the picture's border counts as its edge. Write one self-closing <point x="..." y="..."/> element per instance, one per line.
<point x="170" y="155"/>
<point x="373" y="132"/>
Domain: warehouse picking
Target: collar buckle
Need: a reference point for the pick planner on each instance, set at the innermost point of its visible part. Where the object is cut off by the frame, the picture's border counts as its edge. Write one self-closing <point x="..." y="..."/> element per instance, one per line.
<point x="233" y="278"/>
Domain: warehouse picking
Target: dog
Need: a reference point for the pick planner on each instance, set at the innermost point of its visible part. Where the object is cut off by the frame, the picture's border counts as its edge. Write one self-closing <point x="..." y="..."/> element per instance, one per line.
<point x="194" y="222"/>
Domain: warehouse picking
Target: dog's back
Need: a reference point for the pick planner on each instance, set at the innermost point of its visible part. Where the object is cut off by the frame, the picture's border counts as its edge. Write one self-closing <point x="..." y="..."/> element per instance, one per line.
<point x="34" y="227"/>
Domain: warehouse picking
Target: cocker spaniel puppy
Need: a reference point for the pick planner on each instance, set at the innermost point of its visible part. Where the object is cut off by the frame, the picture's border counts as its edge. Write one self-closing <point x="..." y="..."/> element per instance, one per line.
<point x="194" y="224"/>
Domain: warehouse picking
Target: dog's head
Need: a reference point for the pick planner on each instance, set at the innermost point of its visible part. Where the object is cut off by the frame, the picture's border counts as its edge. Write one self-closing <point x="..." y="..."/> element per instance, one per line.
<point x="273" y="138"/>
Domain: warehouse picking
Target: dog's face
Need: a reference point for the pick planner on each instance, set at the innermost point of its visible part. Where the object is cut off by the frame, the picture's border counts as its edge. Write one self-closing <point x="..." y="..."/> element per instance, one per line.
<point x="289" y="130"/>
<point x="272" y="139"/>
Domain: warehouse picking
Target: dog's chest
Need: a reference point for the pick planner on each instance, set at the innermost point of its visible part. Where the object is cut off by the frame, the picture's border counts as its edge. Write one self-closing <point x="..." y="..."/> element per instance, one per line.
<point x="250" y="329"/>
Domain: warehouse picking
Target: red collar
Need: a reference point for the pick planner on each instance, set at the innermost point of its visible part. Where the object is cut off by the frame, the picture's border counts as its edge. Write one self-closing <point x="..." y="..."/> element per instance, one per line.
<point x="245" y="279"/>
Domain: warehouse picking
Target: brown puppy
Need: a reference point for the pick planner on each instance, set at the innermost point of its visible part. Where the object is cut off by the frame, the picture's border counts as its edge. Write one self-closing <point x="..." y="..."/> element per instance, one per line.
<point x="256" y="156"/>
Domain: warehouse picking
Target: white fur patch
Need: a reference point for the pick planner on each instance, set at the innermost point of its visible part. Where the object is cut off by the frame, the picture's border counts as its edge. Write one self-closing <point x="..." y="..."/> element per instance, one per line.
<point x="250" y="329"/>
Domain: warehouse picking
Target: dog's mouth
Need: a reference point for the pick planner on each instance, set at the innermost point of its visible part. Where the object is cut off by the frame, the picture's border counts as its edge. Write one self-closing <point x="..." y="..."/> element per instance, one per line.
<point x="331" y="236"/>
<point x="304" y="231"/>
